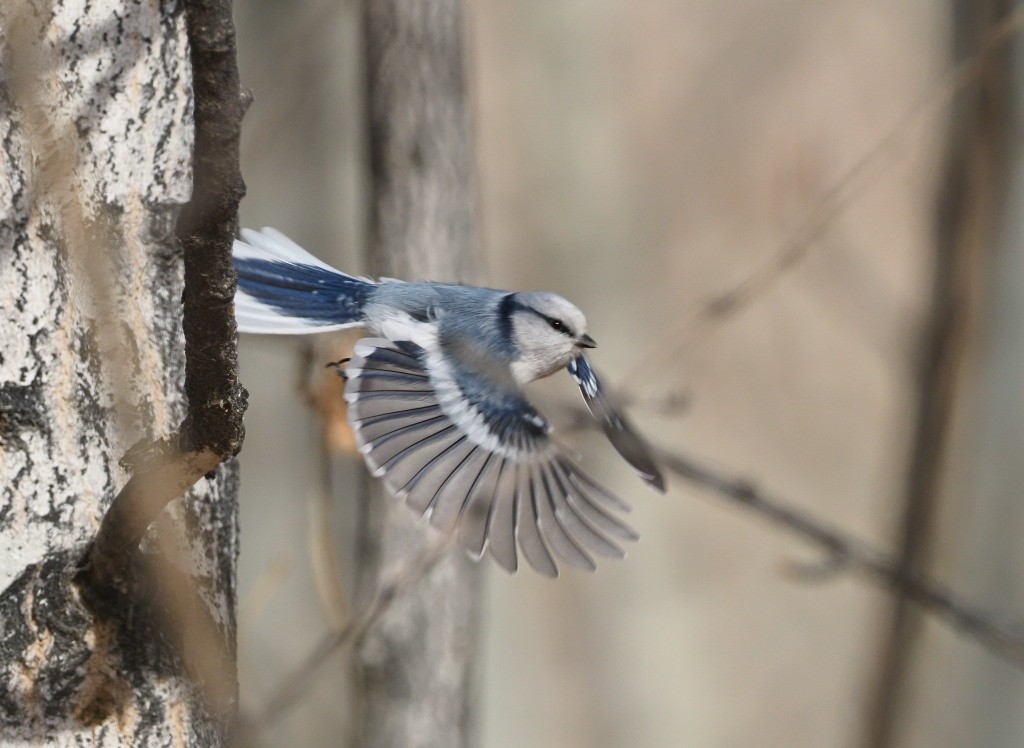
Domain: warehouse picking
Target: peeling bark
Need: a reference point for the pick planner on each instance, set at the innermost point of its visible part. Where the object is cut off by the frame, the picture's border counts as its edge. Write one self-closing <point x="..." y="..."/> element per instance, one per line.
<point x="96" y="147"/>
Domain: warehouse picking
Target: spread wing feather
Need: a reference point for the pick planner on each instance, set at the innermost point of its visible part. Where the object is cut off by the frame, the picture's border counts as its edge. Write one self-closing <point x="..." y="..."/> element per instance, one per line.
<point x="479" y="465"/>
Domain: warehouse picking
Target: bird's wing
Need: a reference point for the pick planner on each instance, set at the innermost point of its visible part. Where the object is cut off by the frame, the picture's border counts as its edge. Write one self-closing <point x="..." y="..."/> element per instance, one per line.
<point x="619" y="431"/>
<point x="477" y="460"/>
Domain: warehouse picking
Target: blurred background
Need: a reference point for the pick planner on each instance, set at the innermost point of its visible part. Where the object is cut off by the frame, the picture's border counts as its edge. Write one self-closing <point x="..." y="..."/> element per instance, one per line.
<point x="847" y="166"/>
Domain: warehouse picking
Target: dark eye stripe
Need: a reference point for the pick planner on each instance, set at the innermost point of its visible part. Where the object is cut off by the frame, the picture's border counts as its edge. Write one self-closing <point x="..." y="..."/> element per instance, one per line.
<point x="556" y="324"/>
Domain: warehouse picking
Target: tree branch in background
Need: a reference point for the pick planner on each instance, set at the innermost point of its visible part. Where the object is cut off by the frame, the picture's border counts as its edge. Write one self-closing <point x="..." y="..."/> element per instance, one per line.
<point x="845" y="554"/>
<point x="842" y="552"/>
<point x="726" y="304"/>
<point x="392" y="587"/>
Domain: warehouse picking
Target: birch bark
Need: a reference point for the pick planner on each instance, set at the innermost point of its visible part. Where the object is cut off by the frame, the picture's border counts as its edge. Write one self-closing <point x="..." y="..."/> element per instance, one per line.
<point x="96" y="139"/>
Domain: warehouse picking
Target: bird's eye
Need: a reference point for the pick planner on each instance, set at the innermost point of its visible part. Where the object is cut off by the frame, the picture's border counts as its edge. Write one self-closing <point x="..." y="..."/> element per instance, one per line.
<point x="556" y="325"/>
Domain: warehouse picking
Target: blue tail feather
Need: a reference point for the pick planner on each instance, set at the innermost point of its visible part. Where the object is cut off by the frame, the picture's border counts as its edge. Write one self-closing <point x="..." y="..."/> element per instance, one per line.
<point x="283" y="289"/>
<point x="304" y="291"/>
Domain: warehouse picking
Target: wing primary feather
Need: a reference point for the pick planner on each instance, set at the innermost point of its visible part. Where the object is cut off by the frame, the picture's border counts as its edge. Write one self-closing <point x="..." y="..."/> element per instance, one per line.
<point x="423" y="486"/>
<point x="584" y="482"/>
<point x="366" y="381"/>
<point x="594" y="513"/>
<point x="576" y="526"/>
<point x="374" y="442"/>
<point x="386" y="350"/>
<point x="389" y="359"/>
<point x="419" y="395"/>
<point x="370" y="404"/>
<point x="551" y="526"/>
<point x="402" y="470"/>
<point x="383" y="366"/>
<point x="383" y="450"/>
<point x="501" y="520"/>
<point x="620" y="432"/>
<point x="473" y="515"/>
<point x="422" y="443"/>
<point x="457" y="491"/>
<point x="527" y="530"/>
<point x="394" y="415"/>
<point x="435" y="500"/>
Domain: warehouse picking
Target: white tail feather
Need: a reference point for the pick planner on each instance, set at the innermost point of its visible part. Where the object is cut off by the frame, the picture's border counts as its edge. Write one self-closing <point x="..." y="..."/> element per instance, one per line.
<point x="270" y="244"/>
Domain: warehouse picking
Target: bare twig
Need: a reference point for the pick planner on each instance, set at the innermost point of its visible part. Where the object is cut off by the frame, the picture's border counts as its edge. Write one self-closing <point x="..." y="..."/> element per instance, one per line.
<point x="264" y="587"/>
<point x="298" y="683"/>
<point x="323" y="393"/>
<point x="1005" y="639"/>
<point x="168" y="474"/>
<point x="323" y="550"/>
<point x="726" y="304"/>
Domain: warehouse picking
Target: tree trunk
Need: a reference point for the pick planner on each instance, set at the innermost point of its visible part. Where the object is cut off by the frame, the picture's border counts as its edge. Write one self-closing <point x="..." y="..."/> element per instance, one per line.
<point x="96" y="126"/>
<point x="953" y="693"/>
<point x="965" y="216"/>
<point x="413" y="671"/>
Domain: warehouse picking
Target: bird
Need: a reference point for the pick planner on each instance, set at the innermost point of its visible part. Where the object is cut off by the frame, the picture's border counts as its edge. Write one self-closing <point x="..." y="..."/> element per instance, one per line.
<point x="435" y="397"/>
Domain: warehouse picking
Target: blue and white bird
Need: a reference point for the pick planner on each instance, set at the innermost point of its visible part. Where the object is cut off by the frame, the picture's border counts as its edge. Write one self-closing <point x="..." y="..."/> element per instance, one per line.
<point x="437" y="405"/>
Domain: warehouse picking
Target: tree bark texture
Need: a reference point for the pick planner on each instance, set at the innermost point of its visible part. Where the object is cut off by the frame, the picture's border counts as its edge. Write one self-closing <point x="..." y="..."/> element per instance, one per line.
<point x="96" y="149"/>
<point x="413" y="671"/>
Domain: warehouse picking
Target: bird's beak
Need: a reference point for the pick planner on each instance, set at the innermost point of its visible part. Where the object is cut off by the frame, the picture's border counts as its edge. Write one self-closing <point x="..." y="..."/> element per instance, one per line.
<point x="585" y="341"/>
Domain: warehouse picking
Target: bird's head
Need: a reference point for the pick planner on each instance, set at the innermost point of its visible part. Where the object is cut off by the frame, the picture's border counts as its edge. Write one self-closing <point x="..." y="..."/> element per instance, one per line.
<point x="548" y="332"/>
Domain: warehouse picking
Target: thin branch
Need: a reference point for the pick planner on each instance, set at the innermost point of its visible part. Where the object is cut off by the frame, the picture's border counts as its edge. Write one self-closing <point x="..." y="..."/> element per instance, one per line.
<point x="323" y="548"/>
<point x="267" y="584"/>
<point x="295" y="686"/>
<point x="323" y="393"/>
<point x="167" y="475"/>
<point x="728" y="303"/>
<point x="1003" y="638"/>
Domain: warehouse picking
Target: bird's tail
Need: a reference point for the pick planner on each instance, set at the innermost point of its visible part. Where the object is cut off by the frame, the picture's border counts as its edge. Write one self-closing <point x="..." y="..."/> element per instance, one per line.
<point x="284" y="290"/>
